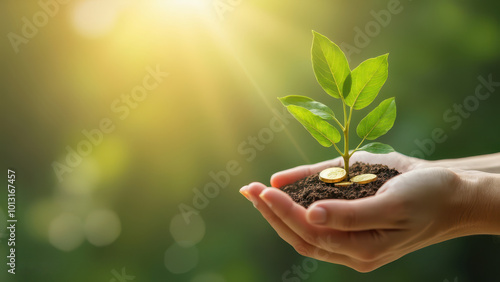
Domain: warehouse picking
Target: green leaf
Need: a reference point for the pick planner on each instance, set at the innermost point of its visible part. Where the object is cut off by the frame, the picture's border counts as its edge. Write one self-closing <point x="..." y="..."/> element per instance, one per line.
<point x="321" y="130"/>
<point x="314" y="107"/>
<point x="378" y="121"/>
<point x="377" y="148"/>
<point x="330" y="66"/>
<point x="367" y="80"/>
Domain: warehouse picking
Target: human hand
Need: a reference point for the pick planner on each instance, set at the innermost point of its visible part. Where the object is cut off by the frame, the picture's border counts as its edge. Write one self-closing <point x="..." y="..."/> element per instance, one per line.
<point x="419" y="208"/>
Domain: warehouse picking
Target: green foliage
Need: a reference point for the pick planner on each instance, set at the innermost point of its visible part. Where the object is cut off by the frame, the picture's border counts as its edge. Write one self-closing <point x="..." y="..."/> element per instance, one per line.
<point x="378" y="121"/>
<point x="367" y="79"/>
<point x="324" y="132"/>
<point x="314" y="107"/>
<point x="330" y="65"/>
<point x="377" y="148"/>
<point x="356" y="90"/>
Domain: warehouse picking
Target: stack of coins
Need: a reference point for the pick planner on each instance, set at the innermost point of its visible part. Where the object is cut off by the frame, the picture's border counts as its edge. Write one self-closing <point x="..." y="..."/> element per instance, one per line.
<point x="337" y="175"/>
<point x="364" y="178"/>
<point x="333" y="175"/>
<point x="344" y="184"/>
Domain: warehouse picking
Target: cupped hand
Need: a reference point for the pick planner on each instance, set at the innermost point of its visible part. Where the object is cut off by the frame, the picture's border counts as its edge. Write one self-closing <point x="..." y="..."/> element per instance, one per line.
<point x="413" y="210"/>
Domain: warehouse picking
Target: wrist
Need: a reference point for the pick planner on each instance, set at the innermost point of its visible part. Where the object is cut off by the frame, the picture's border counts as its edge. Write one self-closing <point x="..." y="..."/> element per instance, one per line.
<point x="446" y="163"/>
<point x="478" y="202"/>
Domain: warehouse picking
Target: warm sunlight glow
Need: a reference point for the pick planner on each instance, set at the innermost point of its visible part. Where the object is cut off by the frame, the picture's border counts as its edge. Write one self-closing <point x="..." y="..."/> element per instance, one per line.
<point x="193" y="4"/>
<point x="95" y="18"/>
<point x="185" y="6"/>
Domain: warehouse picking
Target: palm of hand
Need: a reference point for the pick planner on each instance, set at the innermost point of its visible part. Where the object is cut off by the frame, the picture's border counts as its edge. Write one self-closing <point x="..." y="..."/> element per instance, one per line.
<point x="406" y="214"/>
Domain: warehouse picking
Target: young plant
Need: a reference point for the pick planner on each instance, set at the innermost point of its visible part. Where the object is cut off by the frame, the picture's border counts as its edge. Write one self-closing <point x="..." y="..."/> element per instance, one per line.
<point x="356" y="90"/>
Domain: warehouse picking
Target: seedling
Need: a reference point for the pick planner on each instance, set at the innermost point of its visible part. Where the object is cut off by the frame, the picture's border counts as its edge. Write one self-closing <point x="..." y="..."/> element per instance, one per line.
<point x="356" y="90"/>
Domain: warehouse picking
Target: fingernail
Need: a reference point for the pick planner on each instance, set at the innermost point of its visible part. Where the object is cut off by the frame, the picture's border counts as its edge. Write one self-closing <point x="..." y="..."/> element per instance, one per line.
<point x="244" y="192"/>
<point x="317" y="215"/>
<point x="263" y="197"/>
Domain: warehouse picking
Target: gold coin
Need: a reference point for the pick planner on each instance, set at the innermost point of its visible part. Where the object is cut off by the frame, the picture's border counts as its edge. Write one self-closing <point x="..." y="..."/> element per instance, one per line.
<point x="344" y="184"/>
<point x="332" y="175"/>
<point x="364" y="178"/>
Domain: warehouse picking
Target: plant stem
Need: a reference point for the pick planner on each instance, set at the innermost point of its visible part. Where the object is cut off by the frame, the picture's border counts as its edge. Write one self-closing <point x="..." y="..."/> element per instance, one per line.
<point x="338" y="122"/>
<point x="360" y="143"/>
<point x="346" y="155"/>
<point x="337" y="148"/>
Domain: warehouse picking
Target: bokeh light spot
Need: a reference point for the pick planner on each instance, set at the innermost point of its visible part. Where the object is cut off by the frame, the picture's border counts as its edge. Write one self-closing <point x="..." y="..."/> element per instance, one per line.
<point x="66" y="232"/>
<point x="187" y="234"/>
<point x="180" y="259"/>
<point x="102" y="227"/>
<point x="95" y="18"/>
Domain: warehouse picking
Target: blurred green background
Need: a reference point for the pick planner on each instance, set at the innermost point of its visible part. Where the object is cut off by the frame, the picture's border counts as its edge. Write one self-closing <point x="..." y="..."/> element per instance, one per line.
<point x="117" y="211"/>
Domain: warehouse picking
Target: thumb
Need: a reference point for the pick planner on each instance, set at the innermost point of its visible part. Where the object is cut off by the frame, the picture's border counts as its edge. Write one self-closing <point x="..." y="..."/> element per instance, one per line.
<point x="288" y="176"/>
<point x="374" y="212"/>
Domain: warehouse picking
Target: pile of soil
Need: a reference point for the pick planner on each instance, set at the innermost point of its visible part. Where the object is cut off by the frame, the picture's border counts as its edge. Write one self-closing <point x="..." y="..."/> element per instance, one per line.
<point x="310" y="189"/>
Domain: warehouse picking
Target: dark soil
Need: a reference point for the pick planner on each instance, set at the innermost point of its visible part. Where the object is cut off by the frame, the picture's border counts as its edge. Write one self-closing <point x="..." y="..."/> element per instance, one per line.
<point x="311" y="189"/>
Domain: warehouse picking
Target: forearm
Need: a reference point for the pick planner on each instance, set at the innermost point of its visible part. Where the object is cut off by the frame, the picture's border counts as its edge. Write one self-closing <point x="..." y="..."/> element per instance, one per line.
<point x="481" y="203"/>
<point x="486" y="163"/>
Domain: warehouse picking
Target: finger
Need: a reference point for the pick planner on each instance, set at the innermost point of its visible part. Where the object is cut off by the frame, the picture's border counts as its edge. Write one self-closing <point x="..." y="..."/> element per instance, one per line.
<point x="392" y="160"/>
<point x="352" y="249"/>
<point x="304" y="248"/>
<point x="345" y="245"/>
<point x="287" y="210"/>
<point x="375" y="212"/>
<point x="289" y="176"/>
<point x="294" y="216"/>
<point x="253" y="191"/>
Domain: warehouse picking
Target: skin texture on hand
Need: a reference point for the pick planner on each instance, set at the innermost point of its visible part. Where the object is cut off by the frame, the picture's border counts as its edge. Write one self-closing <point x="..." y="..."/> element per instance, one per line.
<point x="486" y="163"/>
<point x="423" y="206"/>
